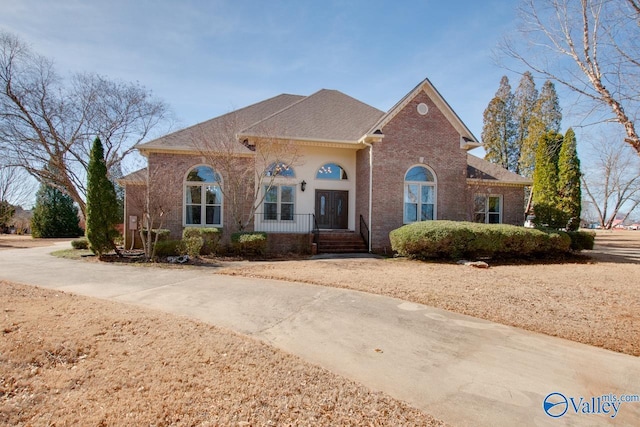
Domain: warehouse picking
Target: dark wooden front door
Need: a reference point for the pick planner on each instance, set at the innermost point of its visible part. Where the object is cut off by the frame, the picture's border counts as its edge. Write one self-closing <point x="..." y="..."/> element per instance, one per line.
<point x="332" y="209"/>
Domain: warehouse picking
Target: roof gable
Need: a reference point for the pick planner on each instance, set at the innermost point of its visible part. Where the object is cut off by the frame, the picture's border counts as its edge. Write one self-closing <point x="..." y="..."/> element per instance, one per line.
<point x="468" y="140"/>
<point x="327" y="115"/>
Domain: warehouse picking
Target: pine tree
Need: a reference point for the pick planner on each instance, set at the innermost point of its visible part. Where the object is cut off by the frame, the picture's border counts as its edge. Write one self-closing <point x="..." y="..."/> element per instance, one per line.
<point x="525" y="98"/>
<point x="545" y="181"/>
<point x="498" y="128"/>
<point x="102" y="205"/>
<point x="54" y="214"/>
<point x="569" y="191"/>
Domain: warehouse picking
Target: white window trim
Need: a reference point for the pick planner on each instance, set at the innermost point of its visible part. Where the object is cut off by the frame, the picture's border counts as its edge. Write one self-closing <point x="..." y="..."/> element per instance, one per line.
<point x="203" y="204"/>
<point x="433" y="184"/>
<point x="486" y="207"/>
<point x="278" y="202"/>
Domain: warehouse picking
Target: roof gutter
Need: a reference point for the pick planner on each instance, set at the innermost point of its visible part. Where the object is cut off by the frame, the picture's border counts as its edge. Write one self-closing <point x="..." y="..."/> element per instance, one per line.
<point x="370" y="191"/>
<point x="377" y="137"/>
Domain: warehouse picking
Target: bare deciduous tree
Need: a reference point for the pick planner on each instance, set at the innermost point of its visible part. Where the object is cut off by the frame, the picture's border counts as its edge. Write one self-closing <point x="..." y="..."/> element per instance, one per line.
<point x="246" y="169"/>
<point x="612" y="183"/>
<point x="15" y="186"/>
<point x="591" y="47"/>
<point x="15" y="190"/>
<point x="47" y="125"/>
<point x="151" y="198"/>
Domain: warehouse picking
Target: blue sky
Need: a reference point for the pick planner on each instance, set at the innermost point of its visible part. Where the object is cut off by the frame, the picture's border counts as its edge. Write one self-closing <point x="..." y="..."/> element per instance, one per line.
<point x="205" y="58"/>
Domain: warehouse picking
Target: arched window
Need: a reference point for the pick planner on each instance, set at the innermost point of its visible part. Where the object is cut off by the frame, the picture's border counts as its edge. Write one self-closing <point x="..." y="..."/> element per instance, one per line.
<point x="280" y="169"/>
<point x="419" y="195"/>
<point x="202" y="198"/>
<point x="331" y="171"/>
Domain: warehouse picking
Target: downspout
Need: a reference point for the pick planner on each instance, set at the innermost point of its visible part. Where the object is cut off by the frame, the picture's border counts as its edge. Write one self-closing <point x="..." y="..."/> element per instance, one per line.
<point x="370" y="188"/>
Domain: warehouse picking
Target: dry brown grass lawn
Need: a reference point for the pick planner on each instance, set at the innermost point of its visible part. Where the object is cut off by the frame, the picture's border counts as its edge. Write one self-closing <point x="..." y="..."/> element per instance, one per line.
<point x="595" y="301"/>
<point x="71" y="360"/>
<point x="68" y="360"/>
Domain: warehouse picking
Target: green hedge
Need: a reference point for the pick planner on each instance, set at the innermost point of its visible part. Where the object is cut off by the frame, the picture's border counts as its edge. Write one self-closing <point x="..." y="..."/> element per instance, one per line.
<point x="249" y="243"/>
<point x="163" y="234"/>
<point x="82" y="243"/>
<point x="210" y="238"/>
<point x="582" y="240"/>
<point x="165" y="248"/>
<point x="458" y="239"/>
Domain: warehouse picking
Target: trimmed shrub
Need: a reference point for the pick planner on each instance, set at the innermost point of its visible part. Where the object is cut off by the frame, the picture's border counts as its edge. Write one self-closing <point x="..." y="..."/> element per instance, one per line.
<point x="209" y="236"/>
<point x="165" y="248"/>
<point x="582" y="240"/>
<point x="82" y="243"/>
<point x="249" y="243"/>
<point x="459" y="239"/>
<point x="192" y="246"/>
<point x="163" y="234"/>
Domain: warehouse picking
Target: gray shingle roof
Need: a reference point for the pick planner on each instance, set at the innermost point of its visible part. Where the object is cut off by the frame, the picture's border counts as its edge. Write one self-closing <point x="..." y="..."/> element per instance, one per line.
<point x="327" y="115"/>
<point x="480" y="169"/>
<point x="225" y="125"/>
<point x="137" y="177"/>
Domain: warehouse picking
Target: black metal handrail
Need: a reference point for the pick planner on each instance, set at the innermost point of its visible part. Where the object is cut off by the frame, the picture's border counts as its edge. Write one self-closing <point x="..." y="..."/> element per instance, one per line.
<point x="287" y="223"/>
<point x="316" y="230"/>
<point x="363" y="227"/>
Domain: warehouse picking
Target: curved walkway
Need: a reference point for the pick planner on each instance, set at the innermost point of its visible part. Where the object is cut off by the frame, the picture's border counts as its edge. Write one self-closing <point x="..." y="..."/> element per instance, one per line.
<point x="465" y="371"/>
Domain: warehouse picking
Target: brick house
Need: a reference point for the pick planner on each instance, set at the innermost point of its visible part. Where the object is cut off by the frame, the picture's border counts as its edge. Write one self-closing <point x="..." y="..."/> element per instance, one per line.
<point x="361" y="171"/>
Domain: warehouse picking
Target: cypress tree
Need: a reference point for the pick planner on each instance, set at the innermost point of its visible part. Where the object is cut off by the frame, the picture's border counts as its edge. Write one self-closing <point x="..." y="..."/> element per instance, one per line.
<point x="545" y="116"/>
<point x="525" y="98"/>
<point x="54" y="214"/>
<point x="102" y="205"/>
<point x="548" y="107"/>
<point x="569" y="191"/>
<point x="498" y="128"/>
<point x="545" y="181"/>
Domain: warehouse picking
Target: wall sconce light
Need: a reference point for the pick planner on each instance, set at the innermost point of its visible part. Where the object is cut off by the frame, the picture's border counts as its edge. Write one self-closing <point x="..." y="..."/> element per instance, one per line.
<point x="303" y="185"/>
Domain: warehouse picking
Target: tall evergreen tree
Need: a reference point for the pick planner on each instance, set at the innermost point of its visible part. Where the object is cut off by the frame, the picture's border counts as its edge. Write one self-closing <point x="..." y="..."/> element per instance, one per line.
<point x="498" y="128"/>
<point x="54" y="214"/>
<point x="102" y="204"/>
<point x="525" y="98"/>
<point x="569" y="191"/>
<point x="545" y="181"/>
<point x="548" y="107"/>
<point x="545" y="116"/>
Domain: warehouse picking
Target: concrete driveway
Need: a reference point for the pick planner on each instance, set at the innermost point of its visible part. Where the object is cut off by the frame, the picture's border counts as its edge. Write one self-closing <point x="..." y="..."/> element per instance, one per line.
<point x="466" y="371"/>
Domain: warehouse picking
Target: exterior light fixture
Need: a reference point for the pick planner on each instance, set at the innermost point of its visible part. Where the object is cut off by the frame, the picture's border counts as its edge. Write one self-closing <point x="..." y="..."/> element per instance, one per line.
<point x="303" y="185"/>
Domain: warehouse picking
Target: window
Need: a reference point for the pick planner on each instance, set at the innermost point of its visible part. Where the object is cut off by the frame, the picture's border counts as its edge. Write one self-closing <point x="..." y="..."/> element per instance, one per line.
<point x="419" y="195"/>
<point x="487" y="209"/>
<point x="281" y="170"/>
<point x="202" y="197"/>
<point x="279" y="202"/>
<point x="331" y="171"/>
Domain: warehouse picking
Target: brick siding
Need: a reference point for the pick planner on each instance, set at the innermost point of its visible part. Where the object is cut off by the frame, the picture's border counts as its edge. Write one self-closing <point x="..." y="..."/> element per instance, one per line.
<point x="408" y="137"/>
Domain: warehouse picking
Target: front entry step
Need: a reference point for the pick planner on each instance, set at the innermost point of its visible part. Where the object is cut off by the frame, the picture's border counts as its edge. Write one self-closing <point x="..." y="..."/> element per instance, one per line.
<point x="335" y="242"/>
